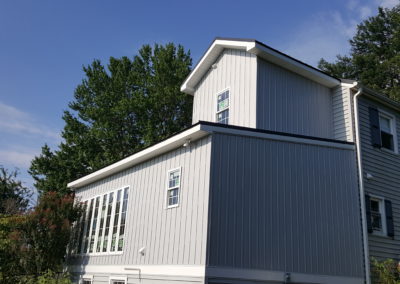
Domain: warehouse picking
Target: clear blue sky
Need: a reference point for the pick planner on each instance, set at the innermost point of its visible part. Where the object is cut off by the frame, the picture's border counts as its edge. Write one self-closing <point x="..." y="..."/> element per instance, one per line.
<point x="44" y="44"/>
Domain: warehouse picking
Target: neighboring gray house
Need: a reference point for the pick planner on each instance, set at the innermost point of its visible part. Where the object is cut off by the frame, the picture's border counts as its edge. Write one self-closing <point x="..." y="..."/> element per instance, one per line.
<point x="263" y="188"/>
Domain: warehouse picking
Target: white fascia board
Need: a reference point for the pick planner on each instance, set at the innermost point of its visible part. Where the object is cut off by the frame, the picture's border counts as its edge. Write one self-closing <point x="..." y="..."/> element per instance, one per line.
<point x="174" y="142"/>
<point x="294" y="65"/>
<point x="260" y="50"/>
<point x="209" y="58"/>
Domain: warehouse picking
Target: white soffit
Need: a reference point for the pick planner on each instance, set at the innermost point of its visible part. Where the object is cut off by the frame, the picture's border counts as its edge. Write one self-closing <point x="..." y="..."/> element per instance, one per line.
<point x="260" y="50"/>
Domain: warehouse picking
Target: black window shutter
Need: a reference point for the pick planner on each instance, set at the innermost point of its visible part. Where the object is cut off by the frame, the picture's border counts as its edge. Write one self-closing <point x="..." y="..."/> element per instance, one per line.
<point x="368" y="212"/>
<point x="389" y="218"/>
<point x="376" y="139"/>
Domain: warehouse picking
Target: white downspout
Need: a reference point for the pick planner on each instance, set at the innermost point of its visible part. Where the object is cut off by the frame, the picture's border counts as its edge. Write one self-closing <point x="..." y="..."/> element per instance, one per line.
<point x="361" y="185"/>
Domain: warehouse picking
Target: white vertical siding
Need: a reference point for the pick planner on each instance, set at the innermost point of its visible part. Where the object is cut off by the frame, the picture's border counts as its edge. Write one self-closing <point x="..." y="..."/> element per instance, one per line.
<point x="236" y="70"/>
<point x="342" y="114"/>
<point x="288" y="102"/>
<point x="171" y="236"/>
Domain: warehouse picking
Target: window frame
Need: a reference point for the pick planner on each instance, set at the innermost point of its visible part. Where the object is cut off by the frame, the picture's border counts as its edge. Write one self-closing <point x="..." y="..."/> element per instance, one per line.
<point x="382" y="212"/>
<point x="393" y="132"/>
<point x="229" y="104"/>
<point x="100" y="238"/>
<point x="171" y="188"/>
<point x="86" y="278"/>
<point x="111" y="279"/>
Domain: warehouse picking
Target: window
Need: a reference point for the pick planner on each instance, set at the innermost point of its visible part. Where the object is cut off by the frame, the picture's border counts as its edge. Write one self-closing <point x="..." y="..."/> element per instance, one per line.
<point x="377" y="214"/>
<point x="103" y="225"/>
<point x="118" y="280"/>
<point x="87" y="279"/>
<point x="223" y="107"/>
<point x="386" y="123"/>
<point x="101" y="228"/>
<point x="174" y="182"/>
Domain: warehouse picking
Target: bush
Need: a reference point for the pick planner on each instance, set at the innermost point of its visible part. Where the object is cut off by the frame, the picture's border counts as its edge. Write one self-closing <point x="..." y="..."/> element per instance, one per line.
<point x="385" y="272"/>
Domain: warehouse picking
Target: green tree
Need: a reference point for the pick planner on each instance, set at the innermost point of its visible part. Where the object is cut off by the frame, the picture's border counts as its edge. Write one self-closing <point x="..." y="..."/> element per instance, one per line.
<point x="116" y="112"/>
<point x="374" y="59"/>
<point x="14" y="197"/>
<point x="33" y="245"/>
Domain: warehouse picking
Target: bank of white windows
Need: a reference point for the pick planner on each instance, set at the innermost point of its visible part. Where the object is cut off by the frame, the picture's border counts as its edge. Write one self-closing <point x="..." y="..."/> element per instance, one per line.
<point x="102" y="228"/>
<point x="388" y="131"/>
<point x="222" y="115"/>
<point x="173" y="187"/>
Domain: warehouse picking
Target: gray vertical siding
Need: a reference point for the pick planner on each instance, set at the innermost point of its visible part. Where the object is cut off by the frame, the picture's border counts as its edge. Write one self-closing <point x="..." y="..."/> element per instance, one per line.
<point x="385" y="168"/>
<point x="288" y="102"/>
<point x="284" y="206"/>
<point x="235" y="70"/>
<point x="342" y="114"/>
<point x="171" y="236"/>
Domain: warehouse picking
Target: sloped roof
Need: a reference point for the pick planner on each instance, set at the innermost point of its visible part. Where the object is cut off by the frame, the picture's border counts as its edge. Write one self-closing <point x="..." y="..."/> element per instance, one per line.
<point x="260" y="49"/>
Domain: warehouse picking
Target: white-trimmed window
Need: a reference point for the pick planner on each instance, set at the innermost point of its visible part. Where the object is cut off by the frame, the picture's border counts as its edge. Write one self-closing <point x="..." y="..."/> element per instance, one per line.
<point x="378" y="219"/>
<point x="103" y="225"/>
<point x="86" y="279"/>
<point x="222" y="115"/>
<point x="388" y="134"/>
<point x="118" y="280"/>
<point x="173" y="187"/>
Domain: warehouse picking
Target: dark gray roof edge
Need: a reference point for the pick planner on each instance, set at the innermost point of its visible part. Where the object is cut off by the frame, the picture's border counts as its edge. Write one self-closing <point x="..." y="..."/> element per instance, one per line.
<point x="378" y="96"/>
<point x="279" y="52"/>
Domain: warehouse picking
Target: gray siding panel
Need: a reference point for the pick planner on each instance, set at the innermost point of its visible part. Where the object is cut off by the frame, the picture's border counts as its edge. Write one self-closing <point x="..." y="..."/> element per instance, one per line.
<point x="283" y="206"/>
<point x="236" y="70"/>
<point x="342" y="114"/>
<point x="288" y="102"/>
<point x="171" y="236"/>
<point x="385" y="168"/>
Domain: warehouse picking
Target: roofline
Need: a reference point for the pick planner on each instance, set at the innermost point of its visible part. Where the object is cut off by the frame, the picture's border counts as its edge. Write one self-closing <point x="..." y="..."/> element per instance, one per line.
<point x="198" y="131"/>
<point x="193" y="133"/>
<point x="376" y="96"/>
<point x="257" y="48"/>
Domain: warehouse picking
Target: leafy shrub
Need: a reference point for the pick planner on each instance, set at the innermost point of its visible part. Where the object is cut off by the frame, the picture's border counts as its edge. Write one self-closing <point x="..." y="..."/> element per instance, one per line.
<point x="385" y="272"/>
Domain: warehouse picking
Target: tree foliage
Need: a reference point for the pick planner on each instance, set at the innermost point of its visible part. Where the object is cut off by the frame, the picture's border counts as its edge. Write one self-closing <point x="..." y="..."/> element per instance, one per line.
<point x="34" y="243"/>
<point x="116" y="112"/>
<point x="375" y="54"/>
<point x="14" y="197"/>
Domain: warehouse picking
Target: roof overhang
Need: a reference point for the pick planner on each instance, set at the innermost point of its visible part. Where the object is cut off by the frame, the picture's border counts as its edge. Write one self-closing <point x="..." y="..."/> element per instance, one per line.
<point x="197" y="131"/>
<point x="192" y="134"/>
<point x="261" y="50"/>
<point x="374" y="95"/>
